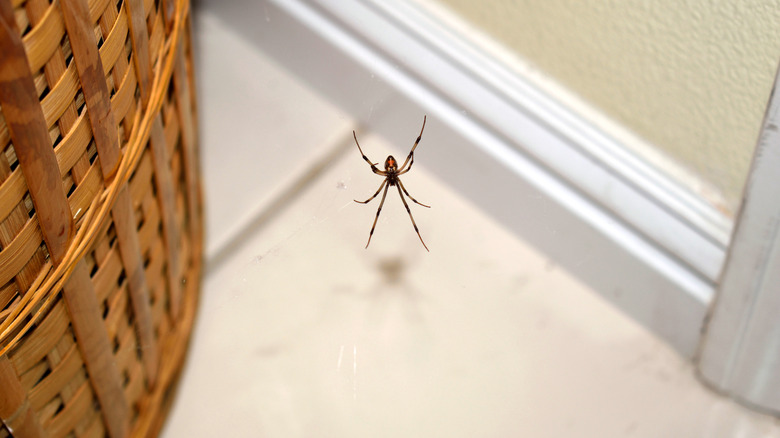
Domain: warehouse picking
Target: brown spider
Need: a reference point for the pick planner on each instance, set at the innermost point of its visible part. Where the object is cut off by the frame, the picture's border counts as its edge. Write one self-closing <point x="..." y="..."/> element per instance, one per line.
<point x="391" y="174"/>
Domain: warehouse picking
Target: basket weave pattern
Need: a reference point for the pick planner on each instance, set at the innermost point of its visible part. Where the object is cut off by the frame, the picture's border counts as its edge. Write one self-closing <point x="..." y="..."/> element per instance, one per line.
<point x="100" y="221"/>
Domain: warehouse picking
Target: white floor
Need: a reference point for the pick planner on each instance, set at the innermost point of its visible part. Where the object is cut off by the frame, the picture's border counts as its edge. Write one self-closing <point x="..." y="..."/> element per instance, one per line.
<point x="302" y="332"/>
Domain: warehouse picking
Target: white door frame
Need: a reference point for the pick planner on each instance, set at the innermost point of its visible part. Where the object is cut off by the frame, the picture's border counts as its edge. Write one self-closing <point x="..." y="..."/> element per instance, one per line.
<point x="740" y="352"/>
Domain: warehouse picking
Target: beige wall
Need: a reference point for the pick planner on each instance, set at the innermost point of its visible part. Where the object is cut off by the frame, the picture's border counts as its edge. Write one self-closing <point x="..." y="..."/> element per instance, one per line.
<point x="690" y="77"/>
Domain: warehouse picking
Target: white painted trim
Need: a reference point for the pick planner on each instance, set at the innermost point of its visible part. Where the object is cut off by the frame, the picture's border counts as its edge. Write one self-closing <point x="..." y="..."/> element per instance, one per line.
<point x="635" y="236"/>
<point x="740" y="353"/>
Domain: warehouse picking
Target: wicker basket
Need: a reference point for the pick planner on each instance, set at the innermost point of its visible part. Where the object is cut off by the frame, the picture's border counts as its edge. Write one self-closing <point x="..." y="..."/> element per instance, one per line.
<point x="100" y="222"/>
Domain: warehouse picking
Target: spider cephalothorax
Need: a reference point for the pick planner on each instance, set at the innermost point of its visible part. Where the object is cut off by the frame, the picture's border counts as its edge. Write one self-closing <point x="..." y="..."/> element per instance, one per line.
<point x="391" y="174"/>
<point x="390" y="164"/>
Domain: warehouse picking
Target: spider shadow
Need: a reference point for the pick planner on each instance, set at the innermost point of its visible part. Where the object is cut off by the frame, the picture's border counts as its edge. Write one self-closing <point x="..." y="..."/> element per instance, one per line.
<point x="393" y="292"/>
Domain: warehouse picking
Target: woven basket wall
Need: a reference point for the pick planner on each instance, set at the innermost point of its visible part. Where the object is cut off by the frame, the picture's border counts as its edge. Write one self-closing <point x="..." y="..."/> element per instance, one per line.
<point x="100" y="222"/>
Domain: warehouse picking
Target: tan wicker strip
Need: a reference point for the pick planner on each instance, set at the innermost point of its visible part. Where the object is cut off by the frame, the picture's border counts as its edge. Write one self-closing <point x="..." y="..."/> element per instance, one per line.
<point x="14" y="406"/>
<point x="41" y="42"/>
<point x="107" y="141"/>
<point x="113" y="23"/>
<point x="27" y="126"/>
<point x="130" y="249"/>
<point x="91" y="74"/>
<point x="164" y="180"/>
<point x="182" y="83"/>
<point x="93" y="83"/>
<point x="140" y="39"/>
<point x="81" y="300"/>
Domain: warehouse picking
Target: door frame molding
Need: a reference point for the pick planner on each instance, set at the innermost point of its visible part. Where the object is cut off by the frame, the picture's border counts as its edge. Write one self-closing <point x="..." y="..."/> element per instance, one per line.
<point x="740" y="351"/>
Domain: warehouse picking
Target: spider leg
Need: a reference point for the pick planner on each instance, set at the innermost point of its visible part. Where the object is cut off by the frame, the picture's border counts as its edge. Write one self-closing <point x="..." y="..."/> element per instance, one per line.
<point x="373" y="165"/>
<point x="411" y="153"/>
<point x="377" y="192"/>
<point x="410" y="196"/>
<point x="408" y="168"/>
<point x="379" y="210"/>
<point x="410" y="217"/>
